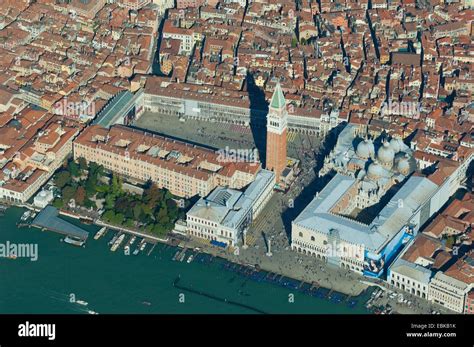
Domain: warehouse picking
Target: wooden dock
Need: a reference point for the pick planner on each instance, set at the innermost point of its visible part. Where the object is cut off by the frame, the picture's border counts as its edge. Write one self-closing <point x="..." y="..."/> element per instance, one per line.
<point x="23" y="225"/>
<point x="151" y="249"/>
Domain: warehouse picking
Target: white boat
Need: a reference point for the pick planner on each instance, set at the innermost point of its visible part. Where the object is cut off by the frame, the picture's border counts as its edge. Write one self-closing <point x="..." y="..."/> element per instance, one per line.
<point x="92" y="312"/>
<point x="126" y="249"/>
<point x="142" y="246"/>
<point x="100" y="233"/>
<point x="190" y="259"/>
<point x="25" y="216"/>
<point x="82" y="302"/>
<point x="117" y="243"/>
<point x="74" y="241"/>
<point x="132" y="240"/>
<point x="111" y="242"/>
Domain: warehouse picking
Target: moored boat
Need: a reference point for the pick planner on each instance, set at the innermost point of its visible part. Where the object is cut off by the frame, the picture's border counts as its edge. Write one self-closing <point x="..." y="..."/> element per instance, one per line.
<point x="117" y="243"/>
<point x="74" y="241"/>
<point x="112" y="241"/>
<point x="25" y="216"/>
<point x="100" y="233"/>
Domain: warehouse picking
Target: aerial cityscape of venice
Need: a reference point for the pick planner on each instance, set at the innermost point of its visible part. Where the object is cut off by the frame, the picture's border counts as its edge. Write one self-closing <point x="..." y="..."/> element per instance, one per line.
<point x="236" y="157"/>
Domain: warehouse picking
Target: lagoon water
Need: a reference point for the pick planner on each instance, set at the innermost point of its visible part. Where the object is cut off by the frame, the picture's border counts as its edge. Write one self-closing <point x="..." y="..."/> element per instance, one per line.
<point x="112" y="282"/>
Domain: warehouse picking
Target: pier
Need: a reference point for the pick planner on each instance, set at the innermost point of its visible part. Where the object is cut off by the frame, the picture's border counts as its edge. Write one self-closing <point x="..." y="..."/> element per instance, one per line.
<point x="49" y="219"/>
<point x="151" y="250"/>
<point x="130" y="231"/>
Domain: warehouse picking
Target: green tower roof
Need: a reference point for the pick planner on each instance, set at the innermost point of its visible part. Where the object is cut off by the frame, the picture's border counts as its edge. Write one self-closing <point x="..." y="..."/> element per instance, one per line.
<point x="278" y="99"/>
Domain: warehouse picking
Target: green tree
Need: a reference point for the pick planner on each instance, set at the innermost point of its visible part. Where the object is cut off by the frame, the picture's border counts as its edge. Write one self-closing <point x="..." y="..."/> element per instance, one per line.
<point x="82" y="163"/>
<point x="165" y="220"/>
<point x="91" y="187"/>
<point x="90" y="203"/>
<point x="450" y="241"/>
<point x="80" y="195"/>
<point x="118" y="218"/>
<point x="108" y="216"/>
<point x="162" y="213"/>
<point x="137" y="211"/>
<point x="68" y="193"/>
<point x="116" y="185"/>
<point x="109" y="201"/>
<point x="129" y="223"/>
<point x="147" y="210"/>
<point x="172" y="208"/>
<point x="102" y="188"/>
<point x="58" y="203"/>
<point x="159" y="229"/>
<point x="294" y="42"/>
<point x="152" y="195"/>
<point x="62" y="179"/>
<point x="168" y="195"/>
<point x="122" y="204"/>
<point x="74" y="169"/>
<point x="93" y="167"/>
<point x="100" y="171"/>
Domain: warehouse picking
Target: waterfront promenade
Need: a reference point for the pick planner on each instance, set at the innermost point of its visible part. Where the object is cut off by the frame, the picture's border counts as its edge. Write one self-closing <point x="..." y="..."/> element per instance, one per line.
<point x="288" y="264"/>
<point x="310" y="270"/>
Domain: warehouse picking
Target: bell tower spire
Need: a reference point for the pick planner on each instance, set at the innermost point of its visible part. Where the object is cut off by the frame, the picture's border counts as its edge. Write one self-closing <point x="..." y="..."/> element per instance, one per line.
<point x="277" y="120"/>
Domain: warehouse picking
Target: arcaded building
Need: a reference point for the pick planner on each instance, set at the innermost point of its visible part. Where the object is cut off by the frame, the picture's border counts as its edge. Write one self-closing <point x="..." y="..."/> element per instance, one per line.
<point x="327" y="230"/>
<point x="374" y="205"/>
<point x="184" y="169"/>
<point x="226" y="213"/>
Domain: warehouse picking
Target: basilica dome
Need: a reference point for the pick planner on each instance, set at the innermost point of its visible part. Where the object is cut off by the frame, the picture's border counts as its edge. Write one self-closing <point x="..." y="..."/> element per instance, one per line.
<point x="396" y="144"/>
<point x="365" y="149"/>
<point x="385" y="154"/>
<point x="375" y="170"/>
<point x="403" y="166"/>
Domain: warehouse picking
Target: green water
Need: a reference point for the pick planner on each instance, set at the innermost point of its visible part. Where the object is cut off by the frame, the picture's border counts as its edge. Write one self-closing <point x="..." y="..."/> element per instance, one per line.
<point x="117" y="283"/>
